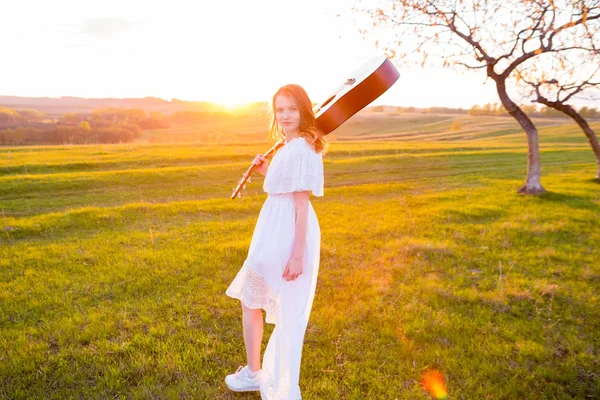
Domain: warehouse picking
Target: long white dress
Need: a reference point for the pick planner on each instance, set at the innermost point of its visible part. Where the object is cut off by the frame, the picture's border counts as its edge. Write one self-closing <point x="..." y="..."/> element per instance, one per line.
<point x="259" y="283"/>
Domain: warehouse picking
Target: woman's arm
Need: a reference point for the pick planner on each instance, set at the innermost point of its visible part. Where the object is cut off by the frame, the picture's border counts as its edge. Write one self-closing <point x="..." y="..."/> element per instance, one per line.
<point x="262" y="162"/>
<point x="301" y="206"/>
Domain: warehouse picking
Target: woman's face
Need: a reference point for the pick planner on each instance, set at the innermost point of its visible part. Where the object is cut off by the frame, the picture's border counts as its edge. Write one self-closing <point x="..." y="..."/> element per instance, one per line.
<point x="287" y="114"/>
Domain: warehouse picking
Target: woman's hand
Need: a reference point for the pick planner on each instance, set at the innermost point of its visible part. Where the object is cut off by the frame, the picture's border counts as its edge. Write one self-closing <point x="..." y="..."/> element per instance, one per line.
<point x="262" y="162"/>
<point x="294" y="268"/>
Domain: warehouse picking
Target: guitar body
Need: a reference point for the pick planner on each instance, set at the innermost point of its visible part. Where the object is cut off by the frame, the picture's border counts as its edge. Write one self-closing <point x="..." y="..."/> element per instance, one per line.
<point x="364" y="85"/>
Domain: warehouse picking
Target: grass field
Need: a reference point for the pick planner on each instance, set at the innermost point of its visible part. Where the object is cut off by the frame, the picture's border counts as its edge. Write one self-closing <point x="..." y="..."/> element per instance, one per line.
<point x="115" y="259"/>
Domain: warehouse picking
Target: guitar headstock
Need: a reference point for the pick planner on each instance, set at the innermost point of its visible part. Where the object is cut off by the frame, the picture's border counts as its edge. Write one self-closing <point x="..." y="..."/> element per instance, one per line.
<point x="237" y="191"/>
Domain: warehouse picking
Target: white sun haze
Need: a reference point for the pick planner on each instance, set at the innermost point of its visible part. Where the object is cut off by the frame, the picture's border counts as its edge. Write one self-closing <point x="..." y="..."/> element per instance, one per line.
<point x="230" y="52"/>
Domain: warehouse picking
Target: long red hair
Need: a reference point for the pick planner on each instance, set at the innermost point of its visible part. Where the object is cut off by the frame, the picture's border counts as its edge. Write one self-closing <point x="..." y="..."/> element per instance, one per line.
<point x="308" y="123"/>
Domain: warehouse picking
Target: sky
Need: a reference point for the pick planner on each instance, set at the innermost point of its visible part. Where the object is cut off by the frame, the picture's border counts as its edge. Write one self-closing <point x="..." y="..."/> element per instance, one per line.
<point x="228" y="52"/>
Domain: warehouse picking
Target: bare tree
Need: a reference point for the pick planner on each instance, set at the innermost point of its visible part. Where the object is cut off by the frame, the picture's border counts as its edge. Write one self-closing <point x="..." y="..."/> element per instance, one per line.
<point x="496" y="36"/>
<point x="575" y="72"/>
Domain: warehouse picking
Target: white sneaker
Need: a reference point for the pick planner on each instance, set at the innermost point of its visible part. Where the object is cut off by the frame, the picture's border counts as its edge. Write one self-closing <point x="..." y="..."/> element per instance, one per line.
<point x="240" y="381"/>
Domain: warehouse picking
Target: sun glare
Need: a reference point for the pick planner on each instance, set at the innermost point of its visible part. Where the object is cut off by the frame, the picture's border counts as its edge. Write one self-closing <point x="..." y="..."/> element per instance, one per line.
<point x="433" y="382"/>
<point x="233" y="105"/>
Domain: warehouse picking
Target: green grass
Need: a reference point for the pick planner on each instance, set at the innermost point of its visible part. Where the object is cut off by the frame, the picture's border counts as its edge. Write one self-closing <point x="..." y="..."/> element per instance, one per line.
<point x="115" y="259"/>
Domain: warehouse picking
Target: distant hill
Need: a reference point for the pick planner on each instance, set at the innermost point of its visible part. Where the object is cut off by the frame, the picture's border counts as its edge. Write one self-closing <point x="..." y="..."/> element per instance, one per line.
<point x="67" y="104"/>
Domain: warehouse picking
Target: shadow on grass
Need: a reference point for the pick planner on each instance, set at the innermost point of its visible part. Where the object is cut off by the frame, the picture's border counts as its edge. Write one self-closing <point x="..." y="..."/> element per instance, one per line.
<point x="570" y="200"/>
<point x="473" y="215"/>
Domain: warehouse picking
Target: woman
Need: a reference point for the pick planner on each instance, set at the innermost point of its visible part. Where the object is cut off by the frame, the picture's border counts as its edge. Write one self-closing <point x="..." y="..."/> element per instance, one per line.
<point x="280" y="271"/>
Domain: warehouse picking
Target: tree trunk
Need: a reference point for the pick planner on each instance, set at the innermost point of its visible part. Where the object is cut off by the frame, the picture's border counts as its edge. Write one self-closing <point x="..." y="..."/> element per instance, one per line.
<point x="533" y="184"/>
<point x="585" y="127"/>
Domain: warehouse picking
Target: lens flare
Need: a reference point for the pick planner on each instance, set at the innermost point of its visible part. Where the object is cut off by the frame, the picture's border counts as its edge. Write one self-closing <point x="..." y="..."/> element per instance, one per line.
<point x="433" y="382"/>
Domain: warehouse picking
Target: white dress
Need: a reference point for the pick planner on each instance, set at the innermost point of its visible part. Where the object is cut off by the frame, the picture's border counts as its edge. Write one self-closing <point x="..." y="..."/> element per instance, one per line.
<point x="259" y="283"/>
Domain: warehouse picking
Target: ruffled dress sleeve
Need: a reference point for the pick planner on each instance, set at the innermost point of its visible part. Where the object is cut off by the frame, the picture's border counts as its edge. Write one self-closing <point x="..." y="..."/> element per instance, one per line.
<point x="298" y="169"/>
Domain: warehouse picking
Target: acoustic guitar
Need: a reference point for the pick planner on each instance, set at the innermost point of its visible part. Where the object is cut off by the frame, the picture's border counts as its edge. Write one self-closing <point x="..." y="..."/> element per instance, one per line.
<point x="364" y="85"/>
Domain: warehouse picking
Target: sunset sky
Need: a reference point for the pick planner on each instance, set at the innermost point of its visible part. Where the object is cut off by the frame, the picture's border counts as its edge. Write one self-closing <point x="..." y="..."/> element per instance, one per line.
<point x="228" y="52"/>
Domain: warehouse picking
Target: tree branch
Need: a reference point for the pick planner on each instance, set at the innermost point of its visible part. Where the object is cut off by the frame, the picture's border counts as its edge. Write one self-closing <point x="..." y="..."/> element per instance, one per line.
<point x="470" y="66"/>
